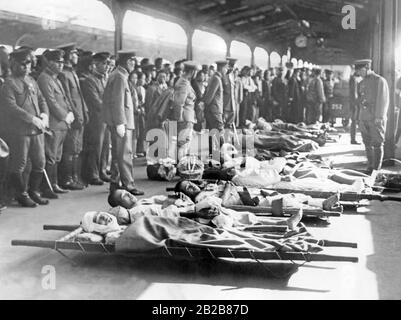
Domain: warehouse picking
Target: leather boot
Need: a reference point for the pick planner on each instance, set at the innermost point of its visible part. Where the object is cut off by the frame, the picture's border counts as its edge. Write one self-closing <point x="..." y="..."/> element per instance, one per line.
<point x="378" y="154"/>
<point x="75" y="172"/>
<point x="67" y="184"/>
<point x="35" y="182"/>
<point x="21" y="195"/>
<point x="54" y="180"/>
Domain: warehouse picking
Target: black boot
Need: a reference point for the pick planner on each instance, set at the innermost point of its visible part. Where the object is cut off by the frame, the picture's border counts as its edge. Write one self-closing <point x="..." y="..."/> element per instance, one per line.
<point x="54" y="180"/>
<point x="69" y="182"/>
<point x="21" y="195"/>
<point x="35" y="182"/>
<point x="76" y="161"/>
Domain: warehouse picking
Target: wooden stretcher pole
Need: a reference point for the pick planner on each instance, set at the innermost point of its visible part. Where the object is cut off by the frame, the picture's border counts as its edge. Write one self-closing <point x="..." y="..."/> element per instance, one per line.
<point x="61" y="227"/>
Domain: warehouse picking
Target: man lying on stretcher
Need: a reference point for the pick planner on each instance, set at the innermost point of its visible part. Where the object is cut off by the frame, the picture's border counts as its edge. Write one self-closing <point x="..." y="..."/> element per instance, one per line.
<point x="230" y="195"/>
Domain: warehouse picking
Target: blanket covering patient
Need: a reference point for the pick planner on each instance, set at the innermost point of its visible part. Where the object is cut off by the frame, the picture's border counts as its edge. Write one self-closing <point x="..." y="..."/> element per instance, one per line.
<point x="155" y="223"/>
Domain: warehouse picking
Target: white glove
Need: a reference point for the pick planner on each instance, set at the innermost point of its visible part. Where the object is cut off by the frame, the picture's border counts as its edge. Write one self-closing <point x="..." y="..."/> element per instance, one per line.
<point x="208" y="203"/>
<point x="38" y="123"/>
<point x="69" y="118"/>
<point x="45" y="119"/>
<point x="121" y="130"/>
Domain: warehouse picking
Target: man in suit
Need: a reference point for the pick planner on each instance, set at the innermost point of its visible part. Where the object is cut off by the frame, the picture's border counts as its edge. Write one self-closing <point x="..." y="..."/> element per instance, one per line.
<point x="231" y="95"/>
<point x="93" y="89"/>
<point x="279" y="95"/>
<point x="374" y="100"/>
<point x="74" y="141"/>
<point x="184" y="99"/>
<point x="61" y="117"/>
<point x="328" y="85"/>
<point x="26" y="118"/>
<point x="266" y="110"/>
<point x="315" y="97"/>
<point x="213" y="98"/>
<point x="294" y="98"/>
<point x="118" y="113"/>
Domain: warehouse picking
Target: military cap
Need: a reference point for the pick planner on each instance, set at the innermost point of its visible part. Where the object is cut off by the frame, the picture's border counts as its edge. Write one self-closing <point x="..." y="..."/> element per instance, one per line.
<point x="317" y="71"/>
<point x="327" y="71"/>
<point x="56" y="55"/>
<point x="126" y="54"/>
<point x="101" y="56"/>
<point x="149" y="67"/>
<point x="86" y="54"/>
<point x="232" y="61"/>
<point x="144" y="62"/>
<point x="68" y="47"/>
<point x="191" y="65"/>
<point x="362" y="63"/>
<point x="221" y="63"/>
<point x="20" y="55"/>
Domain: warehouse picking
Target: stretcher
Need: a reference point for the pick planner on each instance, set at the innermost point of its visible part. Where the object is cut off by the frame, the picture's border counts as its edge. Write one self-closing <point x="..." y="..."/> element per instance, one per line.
<point x="264" y="211"/>
<point x="345" y="196"/>
<point x="69" y="242"/>
<point x="287" y="212"/>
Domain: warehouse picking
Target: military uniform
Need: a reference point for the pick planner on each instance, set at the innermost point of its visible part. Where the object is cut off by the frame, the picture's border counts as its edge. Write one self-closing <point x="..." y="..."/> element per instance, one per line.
<point x="315" y="98"/>
<point x="280" y="95"/>
<point x="93" y="89"/>
<point x="328" y="85"/>
<point x="74" y="140"/>
<point x="59" y="107"/>
<point x="21" y="101"/>
<point x="294" y="101"/>
<point x="373" y="98"/>
<point x="213" y="100"/>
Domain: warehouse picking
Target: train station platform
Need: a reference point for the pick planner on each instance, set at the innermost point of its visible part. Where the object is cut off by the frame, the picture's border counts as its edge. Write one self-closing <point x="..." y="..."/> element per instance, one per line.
<point x="376" y="276"/>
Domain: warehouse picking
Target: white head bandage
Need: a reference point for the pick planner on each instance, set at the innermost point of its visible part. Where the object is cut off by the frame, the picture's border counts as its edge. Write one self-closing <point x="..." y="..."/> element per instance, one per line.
<point x="89" y="225"/>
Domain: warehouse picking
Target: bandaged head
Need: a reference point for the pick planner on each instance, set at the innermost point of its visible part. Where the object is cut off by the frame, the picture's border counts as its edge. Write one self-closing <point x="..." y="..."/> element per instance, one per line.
<point x="99" y="222"/>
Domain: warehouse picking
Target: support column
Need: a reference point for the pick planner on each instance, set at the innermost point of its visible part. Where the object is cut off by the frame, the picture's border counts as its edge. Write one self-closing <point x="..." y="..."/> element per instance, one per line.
<point x="252" y="55"/>
<point x="387" y="67"/>
<point x="228" y="45"/>
<point x="384" y="27"/>
<point x="118" y="13"/>
<point x="190" y="33"/>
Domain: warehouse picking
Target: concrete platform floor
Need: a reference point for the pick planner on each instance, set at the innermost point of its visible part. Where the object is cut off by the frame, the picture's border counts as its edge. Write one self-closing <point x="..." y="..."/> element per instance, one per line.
<point x="375" y="228"/>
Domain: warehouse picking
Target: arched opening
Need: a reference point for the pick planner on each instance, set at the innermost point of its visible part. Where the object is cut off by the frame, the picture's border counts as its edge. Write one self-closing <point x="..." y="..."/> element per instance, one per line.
<point x="208" y="47"/>
<point x="261" y="58"/>
<point x="284" y="60"/>
<point x="49" y="23"/>
<point x="153" y="38"/>
<point x="242" y="52"/>
<point x="300" y="63"/>
<point x="275" y="59"/>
